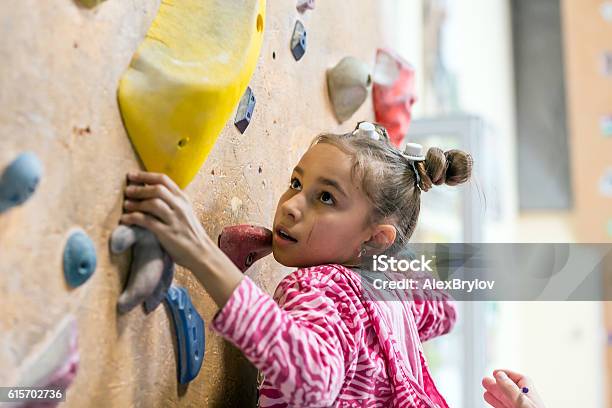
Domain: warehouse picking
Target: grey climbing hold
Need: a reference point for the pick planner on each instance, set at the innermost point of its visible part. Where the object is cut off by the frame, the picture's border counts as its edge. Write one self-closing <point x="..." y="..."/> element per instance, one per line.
<point x="151" y="271"/>
<point x="79" y="259"/>
<point x="298" y="41"/>
<point x="244" y="114"/>
<point x="123" y="237"/>
<point x="303" y="5"/>
<point x="348" y="85"/>
<point x="160" y="291"/>
<point x="19" y="180"/>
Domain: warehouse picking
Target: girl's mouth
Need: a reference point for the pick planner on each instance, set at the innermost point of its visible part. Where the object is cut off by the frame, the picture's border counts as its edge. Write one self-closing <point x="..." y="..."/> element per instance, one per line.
<point x="281" y="234"/>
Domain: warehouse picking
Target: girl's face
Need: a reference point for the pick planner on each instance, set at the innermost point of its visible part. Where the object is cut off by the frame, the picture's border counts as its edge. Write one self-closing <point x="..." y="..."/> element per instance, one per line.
<point x="323" y="211"/>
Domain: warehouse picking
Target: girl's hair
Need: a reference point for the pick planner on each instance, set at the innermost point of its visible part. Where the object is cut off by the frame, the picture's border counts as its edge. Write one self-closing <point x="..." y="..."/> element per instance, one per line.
<point x="389" y="180"/>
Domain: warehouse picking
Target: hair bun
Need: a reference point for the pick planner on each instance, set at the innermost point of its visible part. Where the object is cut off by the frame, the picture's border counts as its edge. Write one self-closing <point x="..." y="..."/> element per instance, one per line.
<point x="451" y="167"/>
<point x="458" y="167"/>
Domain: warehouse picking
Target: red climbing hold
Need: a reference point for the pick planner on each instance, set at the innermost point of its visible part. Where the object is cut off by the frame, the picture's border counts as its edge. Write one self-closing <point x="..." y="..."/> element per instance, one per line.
<point x="245" y="244"/>
<point x="393" y="94"/>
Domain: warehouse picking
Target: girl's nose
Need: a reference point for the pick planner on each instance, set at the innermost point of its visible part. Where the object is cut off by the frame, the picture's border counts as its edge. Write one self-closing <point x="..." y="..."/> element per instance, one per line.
<point x="293" y="207"/>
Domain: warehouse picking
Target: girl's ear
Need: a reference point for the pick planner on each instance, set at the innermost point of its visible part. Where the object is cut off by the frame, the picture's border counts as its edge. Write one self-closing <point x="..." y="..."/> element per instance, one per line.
<point x="382" y="237"/>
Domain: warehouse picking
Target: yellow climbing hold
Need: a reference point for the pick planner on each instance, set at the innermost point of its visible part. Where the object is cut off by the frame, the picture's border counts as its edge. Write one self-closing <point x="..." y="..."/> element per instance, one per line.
<point x="186" y="78"/>
<point x="90" y="3"/>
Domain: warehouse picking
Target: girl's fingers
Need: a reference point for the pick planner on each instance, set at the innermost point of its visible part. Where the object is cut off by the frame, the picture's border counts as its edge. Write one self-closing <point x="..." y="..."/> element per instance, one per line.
<point x="518" y="378"/>
<point x="493" y="400"/>
<point x="507" y="386"/>
<point x="155" y="207"/>
<point x="154" y="178"/>
<point x="529" y="399"/>
<point x="493" y="388"/>
<point x="143" y="220"/>
<point x="135" y="192"/>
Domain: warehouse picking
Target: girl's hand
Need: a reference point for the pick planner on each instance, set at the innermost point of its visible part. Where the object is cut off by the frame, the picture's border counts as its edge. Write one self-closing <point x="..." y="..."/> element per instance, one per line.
<point x="155" y="202"/>
<point x="505" y="390"/>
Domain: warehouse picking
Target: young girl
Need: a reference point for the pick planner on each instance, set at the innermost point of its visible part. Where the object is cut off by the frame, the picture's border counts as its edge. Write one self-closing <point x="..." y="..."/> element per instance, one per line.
<point x="321" y="340"/>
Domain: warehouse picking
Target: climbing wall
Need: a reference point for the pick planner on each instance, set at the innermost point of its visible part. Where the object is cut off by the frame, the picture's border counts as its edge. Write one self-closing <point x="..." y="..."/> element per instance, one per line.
<point x="61" y="66"/>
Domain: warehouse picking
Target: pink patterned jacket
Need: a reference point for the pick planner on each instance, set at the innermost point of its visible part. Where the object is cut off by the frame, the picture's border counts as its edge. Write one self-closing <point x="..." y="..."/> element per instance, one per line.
<point x="323" y="341"/>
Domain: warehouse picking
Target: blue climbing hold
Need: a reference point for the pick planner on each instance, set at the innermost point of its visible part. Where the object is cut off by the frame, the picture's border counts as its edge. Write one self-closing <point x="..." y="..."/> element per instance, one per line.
<point x="189" y="329"/>
<point x="79" y="259"/>
<point x="244" y="113"/>
<point x="19" y="180"/>
<point x="298" y="41"/>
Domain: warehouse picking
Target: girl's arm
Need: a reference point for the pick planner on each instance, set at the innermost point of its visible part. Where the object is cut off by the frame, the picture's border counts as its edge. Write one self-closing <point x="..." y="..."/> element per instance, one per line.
<point x="434" y="311"/>
<point x="155" y="202"/>
<point x="301" y="346"/>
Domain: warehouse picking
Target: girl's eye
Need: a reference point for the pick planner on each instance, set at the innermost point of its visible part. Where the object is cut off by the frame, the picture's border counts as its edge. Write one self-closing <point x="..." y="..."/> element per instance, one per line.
<point x="294" y="184"/>
<point x="325" y="196"/>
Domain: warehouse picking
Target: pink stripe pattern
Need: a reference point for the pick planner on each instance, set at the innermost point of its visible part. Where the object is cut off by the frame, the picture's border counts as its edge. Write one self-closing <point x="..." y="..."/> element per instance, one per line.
<point x="323" y="340"/>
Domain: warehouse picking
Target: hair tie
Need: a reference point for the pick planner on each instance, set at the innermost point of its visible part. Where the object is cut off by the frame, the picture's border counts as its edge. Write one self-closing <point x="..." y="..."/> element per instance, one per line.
<point x="414" y="153"/>
<point x="367" y="129"/>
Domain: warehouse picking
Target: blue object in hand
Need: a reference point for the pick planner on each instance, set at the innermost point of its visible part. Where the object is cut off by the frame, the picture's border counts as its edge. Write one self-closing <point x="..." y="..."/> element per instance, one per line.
<point x="189" y="328"/>
<point x="79" y="259"/>
<point x="19" y="180"/>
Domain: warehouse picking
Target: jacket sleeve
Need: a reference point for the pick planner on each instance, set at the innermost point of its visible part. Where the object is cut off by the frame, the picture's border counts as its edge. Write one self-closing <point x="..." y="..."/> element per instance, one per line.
<point x="303" y="343"/>
<point x="434" y="310"/>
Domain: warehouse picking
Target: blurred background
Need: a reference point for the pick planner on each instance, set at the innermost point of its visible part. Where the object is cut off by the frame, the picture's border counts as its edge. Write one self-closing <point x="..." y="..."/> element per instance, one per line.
<point x="526" y="86"/>
<point x="523" y="85"/>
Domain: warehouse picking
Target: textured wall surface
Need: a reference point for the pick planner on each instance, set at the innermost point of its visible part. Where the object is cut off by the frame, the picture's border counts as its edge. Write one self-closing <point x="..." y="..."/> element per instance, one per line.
<point x="61" y="64"/>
